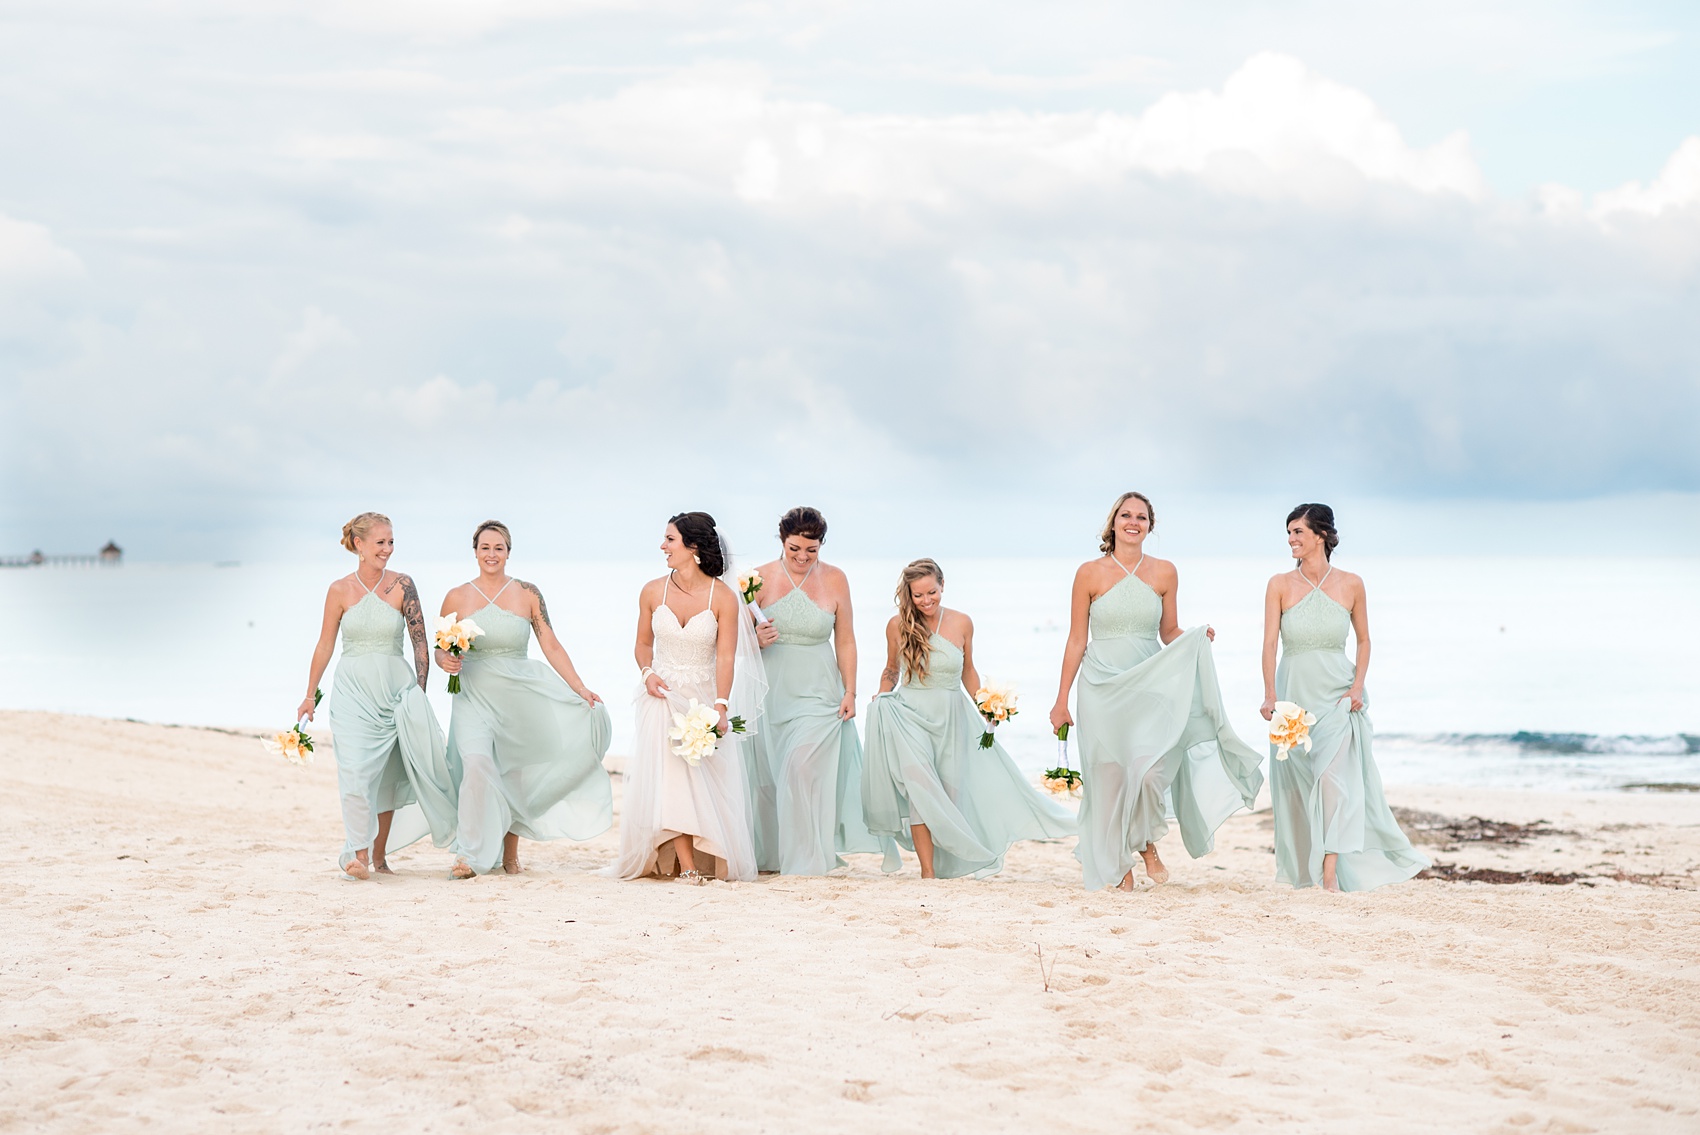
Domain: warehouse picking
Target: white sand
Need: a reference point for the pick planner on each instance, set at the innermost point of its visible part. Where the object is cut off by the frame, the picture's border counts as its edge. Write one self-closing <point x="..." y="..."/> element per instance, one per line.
<point x="179" y="954"/>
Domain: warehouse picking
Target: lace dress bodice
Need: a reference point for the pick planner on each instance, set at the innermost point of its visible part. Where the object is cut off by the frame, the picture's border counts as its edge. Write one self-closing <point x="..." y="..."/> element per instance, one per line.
<point x="1130" y="609"/>
<point x="1315" y="622"/>
<point x="506" y="635"/>
<point x="685" y="651"/>
<point x="799" y="621"/>
<point x="371" y="626"/>
<point x="944" y="667"/>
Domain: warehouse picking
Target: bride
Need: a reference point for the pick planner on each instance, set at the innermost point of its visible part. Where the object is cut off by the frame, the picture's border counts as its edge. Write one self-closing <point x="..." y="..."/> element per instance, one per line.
<point x="694" y="641"/>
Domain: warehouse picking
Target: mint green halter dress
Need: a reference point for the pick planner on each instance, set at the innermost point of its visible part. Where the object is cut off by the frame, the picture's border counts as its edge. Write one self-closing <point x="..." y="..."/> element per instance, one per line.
<point x="810" y="761"/>
<point x="528" y="749"/>
<point x="387" y="743"/>
<point x="925" y="766"/>
<point x="1329" y="800"/>
<point x="1154" y="737"/>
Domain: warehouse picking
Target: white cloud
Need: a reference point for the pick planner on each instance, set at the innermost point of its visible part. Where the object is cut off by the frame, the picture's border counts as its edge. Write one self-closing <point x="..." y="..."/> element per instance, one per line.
<point x="1677" y="187"/>
<point x="318" y="332"/>
<point x="29" y="255"/>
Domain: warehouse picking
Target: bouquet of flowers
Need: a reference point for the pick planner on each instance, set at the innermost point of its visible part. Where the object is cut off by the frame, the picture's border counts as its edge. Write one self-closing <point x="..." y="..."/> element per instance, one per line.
<point x="696" y="732"/>
<point x="749" y="583"/>
<point x="1290" y="726"/>
<point x="454" y="636"/>
<point x="997" y="705"/>
<point x="293" y="745"/>
<point x="1062" y="780"/>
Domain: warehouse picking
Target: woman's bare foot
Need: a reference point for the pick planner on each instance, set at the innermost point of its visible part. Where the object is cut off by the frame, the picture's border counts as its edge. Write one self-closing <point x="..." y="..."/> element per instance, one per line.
<point x="461" y="870"/>
<point x="510" y="854"/>
<point x="1330" y="879"/>
<point x="357" y="868"/>
<point x="382" y="867"/>
<point x="1154" y="869"/>
<point x="1127" y="881"/>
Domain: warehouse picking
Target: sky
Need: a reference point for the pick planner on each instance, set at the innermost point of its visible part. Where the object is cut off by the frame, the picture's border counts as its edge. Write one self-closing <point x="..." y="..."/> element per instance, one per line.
<point x="956" y="273"/>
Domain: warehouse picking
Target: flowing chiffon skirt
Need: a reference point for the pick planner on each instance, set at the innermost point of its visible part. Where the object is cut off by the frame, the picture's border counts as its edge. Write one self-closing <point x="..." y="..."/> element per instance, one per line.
<point x="925" y="766"/>
<point x="1329" y="800"/>
<point x="1155" y="742"/>
<point x="664" y="797"/>
<point x="528" y="753"/>
<point x="812" y="765"/>
<point x="390" y="756"/>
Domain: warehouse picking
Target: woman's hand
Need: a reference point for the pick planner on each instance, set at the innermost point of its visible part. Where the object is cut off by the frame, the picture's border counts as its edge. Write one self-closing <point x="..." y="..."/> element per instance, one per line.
<point x="1060" y="716"/>
<point x="1267" y="709"/>
<point x="847" y="707"/>
<point x="725" y="725"/>
<point x="766" y="633"/>
<point x="588" y="696"/>
<point x="306" y="708"/>
<point x="1209" y="632"/>
<point x="654" y="686"/>
<point x="1356" y="696"/>
<point x="448" y="663"/>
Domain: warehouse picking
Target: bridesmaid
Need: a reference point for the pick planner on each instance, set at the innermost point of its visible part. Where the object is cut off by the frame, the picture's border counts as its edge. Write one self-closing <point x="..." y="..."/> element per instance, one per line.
<point x="388" y="745"/>
<point x="1152" y="726"/>
<point x="526" y="735"/>
<point x="927" y="782"/>
<point x="1332" y="823"/>
<point x="808" y="747"/>
<point x="694" y="643"/>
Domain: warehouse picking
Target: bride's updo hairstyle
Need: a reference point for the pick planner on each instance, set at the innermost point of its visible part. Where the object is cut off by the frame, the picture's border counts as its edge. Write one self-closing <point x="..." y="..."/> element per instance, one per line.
<point x="1107" y="541"/>
<point x="696" y="529"/>
<point x="914" y="640"/>
<point x="805" y="522"/>
<point x="493" y="526"/>
<point x="1319" y="518"/>
<point x="361" y="527"/>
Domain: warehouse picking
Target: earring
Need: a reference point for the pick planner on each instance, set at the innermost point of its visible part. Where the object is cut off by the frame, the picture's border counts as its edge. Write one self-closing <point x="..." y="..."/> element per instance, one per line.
<point x="696" y="559"/>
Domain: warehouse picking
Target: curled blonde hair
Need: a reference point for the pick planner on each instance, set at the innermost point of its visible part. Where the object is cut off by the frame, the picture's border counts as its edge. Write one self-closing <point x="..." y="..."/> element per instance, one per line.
<point x="1107" y="541"/>
<point x="361" y="526"/>
<point x="914" y="640"/>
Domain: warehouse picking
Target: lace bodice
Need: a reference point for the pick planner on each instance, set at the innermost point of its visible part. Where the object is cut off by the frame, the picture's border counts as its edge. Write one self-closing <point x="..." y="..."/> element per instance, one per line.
<point x="371" y="626"/>
<point x="1130" y="609"/>
<point x="799" y="620"/>
<point x="506" y="635"/>
<point x="944" y="667"/>
<point x="687" y="650"/>
<point x="1315" y="622"/>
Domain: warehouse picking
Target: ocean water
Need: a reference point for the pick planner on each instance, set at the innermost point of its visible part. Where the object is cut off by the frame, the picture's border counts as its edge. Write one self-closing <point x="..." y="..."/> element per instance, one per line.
<point x="1511" y="672"/>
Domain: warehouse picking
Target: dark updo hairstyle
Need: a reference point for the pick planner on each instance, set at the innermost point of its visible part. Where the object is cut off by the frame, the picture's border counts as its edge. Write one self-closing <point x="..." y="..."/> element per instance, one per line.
<point x="696" y="529"/>
<point x="1319" y="518"/>
<point x="805" y="522"/>
<point x="493" y="526"/>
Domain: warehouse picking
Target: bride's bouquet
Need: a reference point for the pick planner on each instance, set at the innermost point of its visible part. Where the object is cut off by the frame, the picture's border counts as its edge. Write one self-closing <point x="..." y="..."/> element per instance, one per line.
<point x="997" y="705"/>
<point x="696" y="732"/>
<point x="1290" y="726"/>
<point x="1062" y="780"/>
<point x="454" y="636"/>
<point x="749" y="583"/>
<point x="293" y="745"/>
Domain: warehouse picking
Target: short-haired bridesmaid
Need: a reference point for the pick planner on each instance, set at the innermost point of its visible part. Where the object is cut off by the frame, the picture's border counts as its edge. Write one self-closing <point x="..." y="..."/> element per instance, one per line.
<point x="388" y="745"/>
<point x="807" y="751"/>
<point x="1332" y="823"/>
<point x="1152" y="725"/>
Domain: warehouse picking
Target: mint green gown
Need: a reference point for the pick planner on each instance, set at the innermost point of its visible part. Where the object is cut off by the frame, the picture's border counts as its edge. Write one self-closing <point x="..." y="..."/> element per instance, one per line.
<point x="925" y="766"/>
<point x="527" y="748"/>
<point x="1329" y="800"/>
<point x="1153" y="737"/>
<point x="811" y="761"/>
<point x="387" y="743"/>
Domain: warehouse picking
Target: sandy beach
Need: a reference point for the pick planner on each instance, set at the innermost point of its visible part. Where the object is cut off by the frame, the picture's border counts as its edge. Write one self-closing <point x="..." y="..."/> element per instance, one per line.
<point x="180" y="954"/>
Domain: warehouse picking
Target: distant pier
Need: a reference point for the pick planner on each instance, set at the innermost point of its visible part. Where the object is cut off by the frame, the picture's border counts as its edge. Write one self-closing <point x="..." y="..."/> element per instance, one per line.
<point x="109" y="556"/>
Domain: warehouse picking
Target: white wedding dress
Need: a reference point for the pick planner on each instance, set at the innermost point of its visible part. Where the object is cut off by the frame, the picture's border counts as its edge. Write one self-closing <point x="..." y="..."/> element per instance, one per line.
<point x="664" y="796"/>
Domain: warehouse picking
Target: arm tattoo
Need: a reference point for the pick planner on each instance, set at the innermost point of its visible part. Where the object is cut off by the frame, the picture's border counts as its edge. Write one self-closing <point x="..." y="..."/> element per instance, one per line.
<point x="890" y="674"/>
<point x="541" y="619"/>
<point x="415" y="619"/>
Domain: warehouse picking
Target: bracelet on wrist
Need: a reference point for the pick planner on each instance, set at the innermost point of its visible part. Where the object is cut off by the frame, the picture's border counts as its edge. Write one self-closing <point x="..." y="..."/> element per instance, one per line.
<point x="723" y="702"/>
<point x="647" y="671"/>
